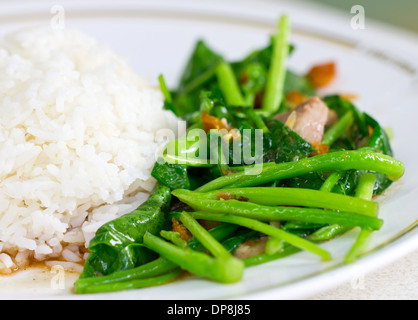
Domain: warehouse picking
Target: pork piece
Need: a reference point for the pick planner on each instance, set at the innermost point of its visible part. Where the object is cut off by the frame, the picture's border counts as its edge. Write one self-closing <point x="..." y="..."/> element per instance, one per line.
<point x="251" y="248"/>
<point x="308" y="120"/>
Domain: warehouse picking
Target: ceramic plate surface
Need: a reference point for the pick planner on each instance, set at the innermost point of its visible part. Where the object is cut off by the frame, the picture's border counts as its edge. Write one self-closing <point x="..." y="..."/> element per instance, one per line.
<point x="157" y="37"/>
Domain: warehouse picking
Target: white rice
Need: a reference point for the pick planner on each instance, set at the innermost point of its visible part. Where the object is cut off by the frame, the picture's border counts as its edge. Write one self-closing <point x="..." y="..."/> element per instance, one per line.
<point x="77" y="143"/>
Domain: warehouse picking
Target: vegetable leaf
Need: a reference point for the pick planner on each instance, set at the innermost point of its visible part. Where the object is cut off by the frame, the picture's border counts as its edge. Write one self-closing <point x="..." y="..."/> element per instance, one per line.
<point x="118" y="244"/>
<point x="200" y="70"/>
<point x="174" y="176"/>
<point x="283" y="144"/>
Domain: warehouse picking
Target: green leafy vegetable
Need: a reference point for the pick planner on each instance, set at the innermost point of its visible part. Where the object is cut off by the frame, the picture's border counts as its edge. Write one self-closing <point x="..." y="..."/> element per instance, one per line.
<point x="118" y="245"/>
<point x="173" y="176"/>
<point x="282" y="144"/>
<point x="277" y="72"/>
<point x="239" y="166"/>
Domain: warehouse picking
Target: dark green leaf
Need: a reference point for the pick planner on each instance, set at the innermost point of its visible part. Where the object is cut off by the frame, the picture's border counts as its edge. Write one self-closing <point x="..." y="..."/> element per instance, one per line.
<point x="118" y="244"/>
<point x="173" y="176"/>
<point x="379" y="139"/>
<point x="199" y="72"/>
<point x="283" y="144"/>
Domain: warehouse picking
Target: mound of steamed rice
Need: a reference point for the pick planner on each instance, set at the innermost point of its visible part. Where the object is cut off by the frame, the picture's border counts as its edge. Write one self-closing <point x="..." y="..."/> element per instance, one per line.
<point x="78" y="141"/>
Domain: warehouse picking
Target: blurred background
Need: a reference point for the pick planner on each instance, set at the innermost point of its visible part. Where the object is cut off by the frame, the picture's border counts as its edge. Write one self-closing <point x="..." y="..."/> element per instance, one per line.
<point x="402" y="13"/>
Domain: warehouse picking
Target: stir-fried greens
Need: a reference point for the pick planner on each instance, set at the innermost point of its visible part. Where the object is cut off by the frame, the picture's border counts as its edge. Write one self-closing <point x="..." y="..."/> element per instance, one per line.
<point x="250" y="169"/>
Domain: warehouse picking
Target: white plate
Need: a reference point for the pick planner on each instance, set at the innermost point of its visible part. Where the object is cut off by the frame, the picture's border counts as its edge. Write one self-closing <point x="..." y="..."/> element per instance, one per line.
<point x="157" y="37"/>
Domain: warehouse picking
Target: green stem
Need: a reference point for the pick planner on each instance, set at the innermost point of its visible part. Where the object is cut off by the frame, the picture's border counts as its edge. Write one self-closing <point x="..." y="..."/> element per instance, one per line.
<point x="295" y="225"/>
<point x="338" y="129"/>
<point x="274" y="245"/>
<point x="365" y="187"/>
<point x="331" y="181"/>
<point x="328" y="232"/>
<point x="341" y="160"/>
<point x="220" y="233"/>
<point x="183" y="152"/>
<point x="365" y="190"/>
<point x="198" y="81"/>
<point x="133" y="284"/>
<point x="164" y="89"/>
<point x="197" y="263"/>
<point x="264" y="258"/>
<point x="290" y="197"/>
<point x="265" y="229"/>
<point x="258" y="121"/>
<point x="205" y="238"/>
<point x="277" y="73"/>
<point x="151" y="269"/>
<point x="229" y="85"/>
<point x="269" y="213"/>
<point x="250" y="166"/>
<point x="174" y="237"/>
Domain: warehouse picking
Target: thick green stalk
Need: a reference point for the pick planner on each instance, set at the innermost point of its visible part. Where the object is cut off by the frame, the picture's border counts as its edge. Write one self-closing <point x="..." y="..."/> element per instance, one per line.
<point x="365" y="187"/>
<point x="291" y="197"/>
<point x="259" y="123"/>
<point x="335" y="161"/>
<point x="269" y="213"/>
<point x="220" y="233"/>
<point x="265" y="229"/>
<point x="329" y="231"/>
<point x="277" y="73"/>
<point x="205" y="238"/>
<point x="338" y="129"/>
<point x="274" y="247"/>
<point x="331" y="181"/>
<point x="264" y="258"/>
<point x="229" y="85"/>
<point x="183" y="151"/>
<point x="295" y="225"/>
<point x="197" y="263"/>
<point x="151" y="269"/>
<point x="174" y="237"/>
<point x="365" y="190"/>
<point x="133" y="284"/>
